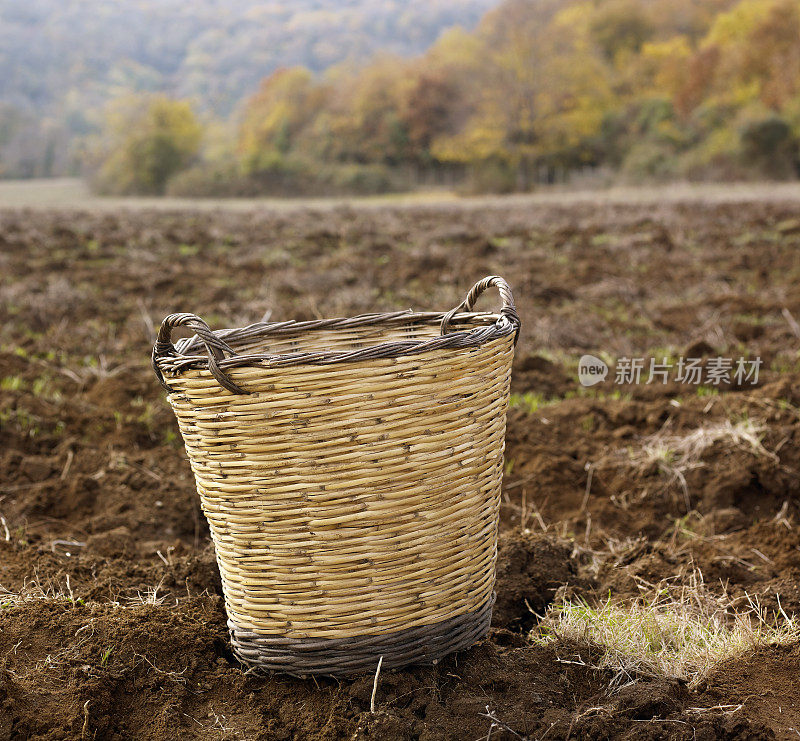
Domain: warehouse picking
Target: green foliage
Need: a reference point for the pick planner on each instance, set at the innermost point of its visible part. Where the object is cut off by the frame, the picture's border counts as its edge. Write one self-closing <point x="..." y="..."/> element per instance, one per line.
<point x="707" y="391"/>
<point x="621" y="27"/>
<point x="149" y="140"/>
<point x="286" y="176"/>
<point x="275" y="116"/>
<point x="529" y="402"/>
<point x="106" y="655"/>
<point x="650" y="161"/>
<point x="210" y="179"/>
<point x="769" y="143"/>
<point x="11" y="383"/>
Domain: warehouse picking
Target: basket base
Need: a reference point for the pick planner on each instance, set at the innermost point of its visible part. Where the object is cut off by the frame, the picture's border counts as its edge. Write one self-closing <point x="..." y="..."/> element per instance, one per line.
<point x="302" y="657"/>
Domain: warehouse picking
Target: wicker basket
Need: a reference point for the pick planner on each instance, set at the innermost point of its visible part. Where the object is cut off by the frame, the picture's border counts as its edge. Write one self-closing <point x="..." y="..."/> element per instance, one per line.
<point x="350" y="472"/>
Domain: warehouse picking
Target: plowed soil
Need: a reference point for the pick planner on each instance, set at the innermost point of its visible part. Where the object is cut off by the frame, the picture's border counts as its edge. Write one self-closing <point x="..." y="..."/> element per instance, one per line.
<point x="112" y="624"/>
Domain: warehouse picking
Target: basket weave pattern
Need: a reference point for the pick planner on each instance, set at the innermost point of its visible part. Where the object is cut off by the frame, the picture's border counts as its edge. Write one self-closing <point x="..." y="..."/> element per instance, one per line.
<point x="350" y="473"/>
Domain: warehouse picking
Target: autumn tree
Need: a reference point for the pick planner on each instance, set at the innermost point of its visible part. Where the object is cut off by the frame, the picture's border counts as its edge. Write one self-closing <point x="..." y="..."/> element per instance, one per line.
<point x="539" y="92"/>
<point x="429" y="108"/>
<point x="147" y="140"/>
<point x="363" y="123"/>
<point x="276" y="116"/>
<point x="654" y="87"/>
<point x="751" y="53"/>
<point x="621" y="27"/>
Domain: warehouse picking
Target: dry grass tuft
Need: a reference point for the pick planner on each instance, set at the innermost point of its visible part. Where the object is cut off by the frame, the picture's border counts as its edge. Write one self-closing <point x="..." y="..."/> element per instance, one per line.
<point x="680" y="634"/>
<point x="675" y="455"/>
<point x="685" y="451"/>
<point x="54" y="591"/>
<point x="36" y="589"/>
<point x="150" y="597"/>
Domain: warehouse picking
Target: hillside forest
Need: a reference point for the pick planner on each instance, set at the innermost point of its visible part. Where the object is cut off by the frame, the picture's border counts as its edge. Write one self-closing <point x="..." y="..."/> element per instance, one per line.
<point x="63" y="61"/>
<point x="540" y="91"/>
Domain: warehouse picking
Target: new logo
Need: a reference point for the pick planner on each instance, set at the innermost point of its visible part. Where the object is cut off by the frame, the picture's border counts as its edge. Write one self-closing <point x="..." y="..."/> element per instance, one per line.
<point x="591" y="370"/>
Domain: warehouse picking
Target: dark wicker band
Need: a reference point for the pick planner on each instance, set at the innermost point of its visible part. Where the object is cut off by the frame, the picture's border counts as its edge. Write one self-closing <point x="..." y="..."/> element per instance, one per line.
<point x="302" y="657"/>
<point x="172" y="359"/>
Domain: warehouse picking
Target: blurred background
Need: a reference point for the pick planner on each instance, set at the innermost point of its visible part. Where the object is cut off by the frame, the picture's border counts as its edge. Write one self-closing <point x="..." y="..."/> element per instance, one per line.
<point x="222" y="98"/>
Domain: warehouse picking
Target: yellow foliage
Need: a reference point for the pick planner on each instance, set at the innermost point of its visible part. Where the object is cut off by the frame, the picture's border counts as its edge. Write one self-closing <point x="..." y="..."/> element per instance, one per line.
<point x="758" y="46"/>
<point x="148" y="139"/>
<point x="737" y="24"/>
<point x="274" y="116"/>
<point x="666" y="63"/>
<point x="551" y="82"/>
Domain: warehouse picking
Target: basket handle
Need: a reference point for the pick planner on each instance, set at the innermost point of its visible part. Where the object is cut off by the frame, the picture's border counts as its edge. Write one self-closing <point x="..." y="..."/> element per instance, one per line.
<point x="215" y="346"/>
<point x="507" y="313"/>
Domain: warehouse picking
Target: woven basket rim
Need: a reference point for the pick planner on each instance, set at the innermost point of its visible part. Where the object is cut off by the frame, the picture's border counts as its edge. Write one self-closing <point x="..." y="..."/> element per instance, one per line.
<point x="173" y="359"/>
<point x="192" y="351"/>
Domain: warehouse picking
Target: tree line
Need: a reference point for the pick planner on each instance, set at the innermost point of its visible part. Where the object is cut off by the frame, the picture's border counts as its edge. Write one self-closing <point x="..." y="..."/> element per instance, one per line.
<point x="62" y="61"/>
<point x="541" y="91"/>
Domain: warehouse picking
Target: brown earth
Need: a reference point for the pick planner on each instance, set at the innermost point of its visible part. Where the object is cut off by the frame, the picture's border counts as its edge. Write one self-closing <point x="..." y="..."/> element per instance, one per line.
<point x="122" y="631"/>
